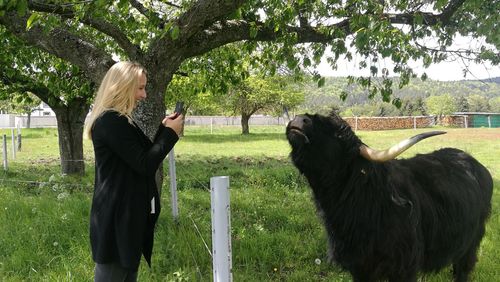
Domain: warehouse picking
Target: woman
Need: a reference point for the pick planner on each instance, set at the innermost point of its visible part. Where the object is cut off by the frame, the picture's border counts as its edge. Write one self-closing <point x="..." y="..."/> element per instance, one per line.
<point x="125" y="205"/>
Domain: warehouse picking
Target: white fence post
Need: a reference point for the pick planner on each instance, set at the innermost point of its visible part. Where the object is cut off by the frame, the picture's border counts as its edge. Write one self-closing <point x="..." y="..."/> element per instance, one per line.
<point x="173" y="184"/>
<point x="221" y="229"/>
<point x="5" y="164"/>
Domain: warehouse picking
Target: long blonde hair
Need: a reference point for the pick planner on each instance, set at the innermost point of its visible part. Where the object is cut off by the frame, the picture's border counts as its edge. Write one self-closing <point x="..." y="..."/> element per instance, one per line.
<point x="116" y="92"/>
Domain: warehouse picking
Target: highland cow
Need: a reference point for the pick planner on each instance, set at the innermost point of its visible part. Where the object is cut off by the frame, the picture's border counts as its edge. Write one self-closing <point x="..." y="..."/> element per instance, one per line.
<point x="390" y="219"/>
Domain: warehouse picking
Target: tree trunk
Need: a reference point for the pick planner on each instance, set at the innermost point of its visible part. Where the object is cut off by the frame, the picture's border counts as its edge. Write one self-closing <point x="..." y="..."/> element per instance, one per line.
<point x="150" y="113"/>
<point x="28" y="122"/>
<point x="70" y="122"/>
<point x="244" y="124"/>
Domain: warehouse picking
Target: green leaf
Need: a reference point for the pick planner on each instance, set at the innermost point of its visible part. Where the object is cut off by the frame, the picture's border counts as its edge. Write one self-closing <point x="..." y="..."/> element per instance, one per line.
<point x="34" y="17"/>
<point x="397" y="102"/>
<point x="321" y="82"/>
<point x="174" y="33"/>
<point x="21" y="7"/>
<point x="253" y="30"/>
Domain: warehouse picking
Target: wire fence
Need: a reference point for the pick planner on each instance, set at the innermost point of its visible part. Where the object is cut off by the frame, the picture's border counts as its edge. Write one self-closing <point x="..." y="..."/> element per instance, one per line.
<point x="58" y="185"/>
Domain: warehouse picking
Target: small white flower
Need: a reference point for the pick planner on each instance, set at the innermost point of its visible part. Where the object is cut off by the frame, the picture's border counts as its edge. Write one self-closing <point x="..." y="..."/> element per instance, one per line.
<point x="317" y="261"/>
<point x="33" y="210"/>
<point x="64" y="217"/>
<point x="55" y="244"/>
<point x="62" y="195"/>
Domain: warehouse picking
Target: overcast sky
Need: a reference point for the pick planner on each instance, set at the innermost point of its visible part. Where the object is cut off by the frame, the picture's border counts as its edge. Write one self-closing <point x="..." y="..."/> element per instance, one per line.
<point x="445" y="71"/>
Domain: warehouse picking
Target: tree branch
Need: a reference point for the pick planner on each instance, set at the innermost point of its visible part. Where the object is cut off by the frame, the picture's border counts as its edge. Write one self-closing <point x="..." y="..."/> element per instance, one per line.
<point x="226" y="32"/>
<point x="222" y="33"/>
<point x="428" y="18"/>
<point x="133" y="51"/>
<point x="63" y="44"/>
<point x="204" y="13"/>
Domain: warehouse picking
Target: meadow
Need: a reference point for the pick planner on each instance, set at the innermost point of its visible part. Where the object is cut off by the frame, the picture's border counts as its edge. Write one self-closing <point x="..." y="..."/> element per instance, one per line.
<point x="276" y="234"/>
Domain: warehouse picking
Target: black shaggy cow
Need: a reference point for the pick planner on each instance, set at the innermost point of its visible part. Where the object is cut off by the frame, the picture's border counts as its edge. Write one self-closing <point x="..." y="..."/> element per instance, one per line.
<point x="391" y="219"/>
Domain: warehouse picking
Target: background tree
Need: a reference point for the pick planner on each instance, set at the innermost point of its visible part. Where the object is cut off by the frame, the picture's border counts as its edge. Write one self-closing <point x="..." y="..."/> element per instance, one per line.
<point x="260" y="95"/>
<point x="441" y="105"/>
<point x="478" y="103"/>
<point x="495" y="104"/>
<point x="19" y="103"/>
<point x="462" y="103"/>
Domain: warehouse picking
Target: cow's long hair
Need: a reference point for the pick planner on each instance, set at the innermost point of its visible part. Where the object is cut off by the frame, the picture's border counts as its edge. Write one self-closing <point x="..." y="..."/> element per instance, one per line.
<point x="392" y="219"/>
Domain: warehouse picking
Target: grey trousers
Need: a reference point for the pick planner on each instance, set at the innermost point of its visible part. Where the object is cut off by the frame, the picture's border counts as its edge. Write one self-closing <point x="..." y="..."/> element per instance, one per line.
<point x="113" y="272"/>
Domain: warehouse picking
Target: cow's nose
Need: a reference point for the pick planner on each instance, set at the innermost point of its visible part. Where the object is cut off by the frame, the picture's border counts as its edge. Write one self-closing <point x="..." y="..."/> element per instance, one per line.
<point x="299" y="121"/>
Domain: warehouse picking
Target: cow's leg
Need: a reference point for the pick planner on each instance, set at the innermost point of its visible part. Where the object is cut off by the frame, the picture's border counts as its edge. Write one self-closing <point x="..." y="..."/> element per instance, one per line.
<point x="464" y="265"/>
<point x="410" y="276"/>
<point x="362" y="276"/>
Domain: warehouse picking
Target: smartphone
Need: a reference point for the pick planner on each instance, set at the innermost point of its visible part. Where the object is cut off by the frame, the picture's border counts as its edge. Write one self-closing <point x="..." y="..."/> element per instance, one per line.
<point x="179" y="107"/>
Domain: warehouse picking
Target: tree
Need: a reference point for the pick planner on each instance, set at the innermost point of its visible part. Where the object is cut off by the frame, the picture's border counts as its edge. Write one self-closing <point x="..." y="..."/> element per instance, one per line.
<point x="20" y="103"/>
<point x="478" y="103"/>
<point x="257" y="94"/>
<point x="167" y="36"/>
<point x="495" y="105"/>
<point x="441" y="105"/>
<point x="55" y="82"/>
<point x="462" y="104"/>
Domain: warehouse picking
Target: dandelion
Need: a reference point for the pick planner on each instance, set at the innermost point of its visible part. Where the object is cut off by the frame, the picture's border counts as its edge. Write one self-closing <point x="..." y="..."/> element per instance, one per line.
<point x="62" y="195"/>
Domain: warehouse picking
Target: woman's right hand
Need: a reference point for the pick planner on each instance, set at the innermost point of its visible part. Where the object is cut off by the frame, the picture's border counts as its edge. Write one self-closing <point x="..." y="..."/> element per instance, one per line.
<point x="174" y="121"/>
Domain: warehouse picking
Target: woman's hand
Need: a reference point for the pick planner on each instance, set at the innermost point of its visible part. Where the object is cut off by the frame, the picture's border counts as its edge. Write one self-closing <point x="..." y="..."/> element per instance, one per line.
<point x="174" y="121"/>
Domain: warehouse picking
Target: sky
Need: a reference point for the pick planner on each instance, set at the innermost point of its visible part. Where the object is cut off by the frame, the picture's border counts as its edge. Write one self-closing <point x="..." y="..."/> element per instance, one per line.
<point x="444" y="71"/>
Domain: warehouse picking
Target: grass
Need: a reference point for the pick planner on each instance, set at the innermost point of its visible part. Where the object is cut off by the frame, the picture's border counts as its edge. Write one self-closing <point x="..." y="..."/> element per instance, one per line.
<point x="276" y="234"/>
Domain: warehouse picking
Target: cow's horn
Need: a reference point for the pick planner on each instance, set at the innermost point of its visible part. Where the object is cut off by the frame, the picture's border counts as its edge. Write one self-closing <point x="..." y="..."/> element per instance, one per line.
<point x="389" y="154"/>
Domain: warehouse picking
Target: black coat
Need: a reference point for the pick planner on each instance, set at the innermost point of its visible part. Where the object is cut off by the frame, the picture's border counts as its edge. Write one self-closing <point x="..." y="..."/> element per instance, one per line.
<point x="121" y="218"/>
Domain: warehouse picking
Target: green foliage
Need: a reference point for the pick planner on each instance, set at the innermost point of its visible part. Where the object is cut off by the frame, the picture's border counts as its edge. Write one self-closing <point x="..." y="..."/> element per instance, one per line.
<point x="495" y="105"/>
<point x="441" y="105"/>
<point x="18" y="103"/>
<point x="25" y="69"/>
<point x="357" y="101"/>
<point x="258" y="94"/>
<point x="478" y="103"/>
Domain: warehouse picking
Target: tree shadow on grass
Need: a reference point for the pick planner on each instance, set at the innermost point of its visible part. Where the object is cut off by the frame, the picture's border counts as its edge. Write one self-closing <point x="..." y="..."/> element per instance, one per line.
<point x="221" y="138"/>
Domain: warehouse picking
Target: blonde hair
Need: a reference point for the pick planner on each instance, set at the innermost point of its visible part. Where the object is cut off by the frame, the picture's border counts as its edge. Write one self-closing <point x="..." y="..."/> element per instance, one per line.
<point x="116" y="92"/>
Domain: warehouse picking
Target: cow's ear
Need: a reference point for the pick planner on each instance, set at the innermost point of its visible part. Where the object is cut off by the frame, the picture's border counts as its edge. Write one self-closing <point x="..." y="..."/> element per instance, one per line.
<point x="334" y="112"/>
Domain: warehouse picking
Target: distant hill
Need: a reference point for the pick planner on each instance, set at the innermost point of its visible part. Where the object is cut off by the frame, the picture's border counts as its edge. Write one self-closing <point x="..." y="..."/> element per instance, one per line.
<point x="329" y="95"/>
<point x="493" y="79"/>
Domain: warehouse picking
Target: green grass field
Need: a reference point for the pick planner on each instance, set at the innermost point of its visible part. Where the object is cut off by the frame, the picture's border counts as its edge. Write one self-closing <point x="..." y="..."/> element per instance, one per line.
<point x="276" y="234"/>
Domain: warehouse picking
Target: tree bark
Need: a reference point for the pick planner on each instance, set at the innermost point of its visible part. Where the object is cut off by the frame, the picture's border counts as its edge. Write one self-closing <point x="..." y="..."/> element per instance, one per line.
<point x="70" y="122"/>
<point x="244" y="124"/>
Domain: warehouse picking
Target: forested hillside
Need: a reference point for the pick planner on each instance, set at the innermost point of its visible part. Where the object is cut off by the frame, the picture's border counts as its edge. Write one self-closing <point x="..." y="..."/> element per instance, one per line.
<point x="417" y="98"/>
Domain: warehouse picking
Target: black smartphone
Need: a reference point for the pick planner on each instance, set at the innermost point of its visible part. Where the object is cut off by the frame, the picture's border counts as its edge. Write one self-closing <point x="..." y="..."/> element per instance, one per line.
<point x="179" y="107"/>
